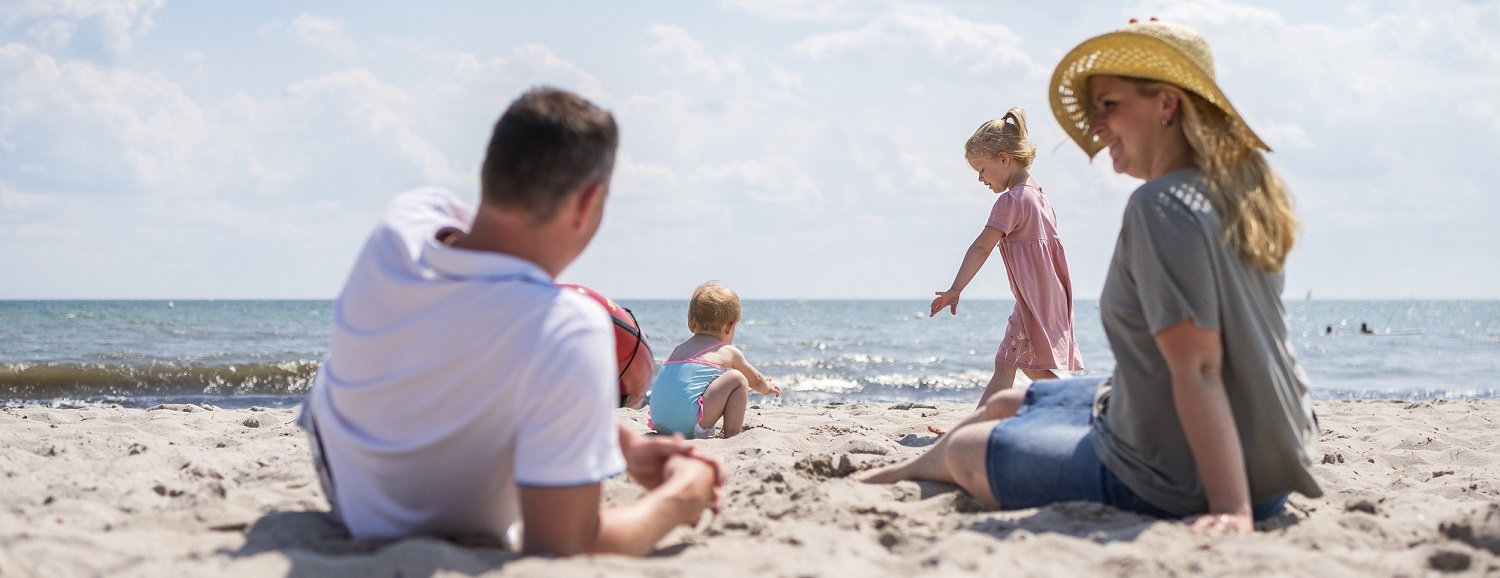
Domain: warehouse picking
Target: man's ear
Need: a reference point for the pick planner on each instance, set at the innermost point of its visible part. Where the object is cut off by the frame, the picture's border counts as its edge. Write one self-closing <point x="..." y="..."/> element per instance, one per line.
<point x="584" y="202"/>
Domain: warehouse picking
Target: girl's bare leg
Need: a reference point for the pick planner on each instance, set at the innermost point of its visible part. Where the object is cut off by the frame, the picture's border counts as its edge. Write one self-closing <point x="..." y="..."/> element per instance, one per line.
<point x="726" y="397"/>
<point x="1036" y="374"/>
<point x="1003" y="379"/>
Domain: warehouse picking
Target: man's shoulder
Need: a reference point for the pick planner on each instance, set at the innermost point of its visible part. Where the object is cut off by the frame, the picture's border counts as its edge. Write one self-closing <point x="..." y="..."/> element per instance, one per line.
<point x="575" y="306"/>
<point x="546" y="316"/>
<point x="425" y="205"/>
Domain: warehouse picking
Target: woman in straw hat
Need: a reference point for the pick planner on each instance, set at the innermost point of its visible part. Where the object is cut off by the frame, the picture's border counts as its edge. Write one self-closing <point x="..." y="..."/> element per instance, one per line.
<point x="1206" y="416"/>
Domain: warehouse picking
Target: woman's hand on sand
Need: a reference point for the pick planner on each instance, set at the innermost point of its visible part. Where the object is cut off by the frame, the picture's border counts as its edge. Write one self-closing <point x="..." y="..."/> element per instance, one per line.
<point x="1216" y="525"/>
<point x="947" y="299"/>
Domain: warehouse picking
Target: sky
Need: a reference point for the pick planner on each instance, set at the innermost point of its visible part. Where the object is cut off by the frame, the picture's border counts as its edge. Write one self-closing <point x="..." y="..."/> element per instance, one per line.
<point x="158" y="149"/>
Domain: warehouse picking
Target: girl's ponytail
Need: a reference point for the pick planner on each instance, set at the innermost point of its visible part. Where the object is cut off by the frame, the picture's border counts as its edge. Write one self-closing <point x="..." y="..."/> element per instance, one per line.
<point x="1018" y="117"/>
<point x="1006" y="134"/>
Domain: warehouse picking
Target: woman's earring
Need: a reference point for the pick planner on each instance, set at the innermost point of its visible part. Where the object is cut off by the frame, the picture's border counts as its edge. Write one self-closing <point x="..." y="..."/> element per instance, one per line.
<point x="1166" y="122"/>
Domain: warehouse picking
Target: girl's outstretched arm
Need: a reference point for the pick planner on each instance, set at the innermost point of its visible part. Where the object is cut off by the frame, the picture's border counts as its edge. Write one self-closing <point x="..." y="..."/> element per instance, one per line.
<point x="758" y="381"/>
<point x="974" y="258"/>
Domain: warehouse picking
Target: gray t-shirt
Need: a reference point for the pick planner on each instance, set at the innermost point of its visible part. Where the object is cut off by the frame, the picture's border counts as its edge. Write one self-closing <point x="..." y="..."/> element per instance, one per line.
<point x="1171" y="263"/>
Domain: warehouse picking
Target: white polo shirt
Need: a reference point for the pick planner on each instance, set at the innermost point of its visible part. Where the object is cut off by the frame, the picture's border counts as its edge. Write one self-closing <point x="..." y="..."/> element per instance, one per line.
<point x="452" y="376"/>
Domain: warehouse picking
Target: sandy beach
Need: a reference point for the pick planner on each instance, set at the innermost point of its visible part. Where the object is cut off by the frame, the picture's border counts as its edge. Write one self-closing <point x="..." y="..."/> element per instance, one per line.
<point x="1411" y="489"/>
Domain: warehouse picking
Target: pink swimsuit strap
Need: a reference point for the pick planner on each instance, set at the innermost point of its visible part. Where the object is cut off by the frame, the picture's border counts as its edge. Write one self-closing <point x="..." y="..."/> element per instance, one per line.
<point x="706" y="350"/>
<point x="694" y="357"/>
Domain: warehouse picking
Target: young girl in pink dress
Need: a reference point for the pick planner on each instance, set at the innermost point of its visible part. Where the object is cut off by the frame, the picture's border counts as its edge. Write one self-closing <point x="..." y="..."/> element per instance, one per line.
<point x="1039" y="337"/>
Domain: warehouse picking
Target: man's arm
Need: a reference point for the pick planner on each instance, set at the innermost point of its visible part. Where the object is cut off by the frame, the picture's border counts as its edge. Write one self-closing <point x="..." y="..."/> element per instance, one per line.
<point x="568" y="521"/>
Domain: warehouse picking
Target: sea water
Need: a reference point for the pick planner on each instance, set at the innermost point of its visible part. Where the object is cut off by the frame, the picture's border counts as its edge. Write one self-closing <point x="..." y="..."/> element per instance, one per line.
<point x="247" y="353"/>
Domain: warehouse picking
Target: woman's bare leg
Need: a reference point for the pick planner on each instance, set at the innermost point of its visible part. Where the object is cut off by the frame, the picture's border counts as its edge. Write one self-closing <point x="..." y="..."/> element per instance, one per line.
<point x="934" y="463"/>
<point x="726" y="397"/>
<point x="967" y="458"/>
<point x="959" y="459"/>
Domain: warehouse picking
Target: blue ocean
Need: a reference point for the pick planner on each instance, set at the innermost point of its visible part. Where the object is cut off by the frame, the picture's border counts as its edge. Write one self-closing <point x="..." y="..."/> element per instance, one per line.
<point x="238" y="354"/>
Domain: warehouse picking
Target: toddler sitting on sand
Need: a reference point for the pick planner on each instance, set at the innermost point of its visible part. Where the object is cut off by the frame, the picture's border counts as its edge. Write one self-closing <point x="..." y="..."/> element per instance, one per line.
<point x="706" y="377"/>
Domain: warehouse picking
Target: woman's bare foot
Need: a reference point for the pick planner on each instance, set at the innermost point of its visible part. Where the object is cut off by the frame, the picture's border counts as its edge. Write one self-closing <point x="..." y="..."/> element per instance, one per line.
<point x="886" y="474"/>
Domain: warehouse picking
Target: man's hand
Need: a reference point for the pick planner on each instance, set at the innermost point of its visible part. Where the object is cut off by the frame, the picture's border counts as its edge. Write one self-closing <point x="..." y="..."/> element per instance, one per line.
<point x="698" y="486"/>
<point x="646" y="459"/>
<point x="646" y="456"/>
<point x="567" y="521"/>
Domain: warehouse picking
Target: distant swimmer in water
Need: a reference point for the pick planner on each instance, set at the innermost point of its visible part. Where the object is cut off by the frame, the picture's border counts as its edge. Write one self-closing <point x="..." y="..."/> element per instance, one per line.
<point x="1365" y="329"/>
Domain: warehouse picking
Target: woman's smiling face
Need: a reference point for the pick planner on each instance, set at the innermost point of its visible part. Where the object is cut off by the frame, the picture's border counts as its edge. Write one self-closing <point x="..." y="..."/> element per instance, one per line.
<point x="1126" y="122"/>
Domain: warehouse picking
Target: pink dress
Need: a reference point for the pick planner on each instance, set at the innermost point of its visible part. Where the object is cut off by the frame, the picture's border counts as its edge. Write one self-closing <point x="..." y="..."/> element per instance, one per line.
<point x="1040" y="332"/>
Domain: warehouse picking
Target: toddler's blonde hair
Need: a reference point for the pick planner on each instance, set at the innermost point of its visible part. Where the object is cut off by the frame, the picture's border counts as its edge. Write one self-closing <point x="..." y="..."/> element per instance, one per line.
<point x="713" y="306"/>
<point x="1006" y="134"/>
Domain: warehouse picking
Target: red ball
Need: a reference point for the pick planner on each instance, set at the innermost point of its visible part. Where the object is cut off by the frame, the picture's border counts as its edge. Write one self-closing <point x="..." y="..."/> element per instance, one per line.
<point x="637" y="366"/>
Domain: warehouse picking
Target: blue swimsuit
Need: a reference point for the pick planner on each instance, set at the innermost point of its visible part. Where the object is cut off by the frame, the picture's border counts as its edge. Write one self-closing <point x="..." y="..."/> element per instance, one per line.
<point x="677" y="394"/>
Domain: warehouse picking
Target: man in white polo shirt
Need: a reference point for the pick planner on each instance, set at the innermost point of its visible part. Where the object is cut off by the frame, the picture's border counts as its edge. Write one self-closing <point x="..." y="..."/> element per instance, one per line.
<point x="463" y="392"/>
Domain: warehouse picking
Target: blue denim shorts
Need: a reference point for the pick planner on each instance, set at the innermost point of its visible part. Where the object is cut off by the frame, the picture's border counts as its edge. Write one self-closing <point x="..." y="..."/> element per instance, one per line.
<point x="1044" y="454"/>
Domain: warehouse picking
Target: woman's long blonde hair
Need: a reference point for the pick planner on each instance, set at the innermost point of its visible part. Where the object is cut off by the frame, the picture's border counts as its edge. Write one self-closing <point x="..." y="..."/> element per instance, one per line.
<point x="999" y="136"/>
<point x="1255" y="203"/>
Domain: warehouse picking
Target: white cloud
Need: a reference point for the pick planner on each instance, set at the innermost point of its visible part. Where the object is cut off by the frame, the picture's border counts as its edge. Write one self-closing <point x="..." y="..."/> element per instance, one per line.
<point x="826" y="131"/>
<point x="802" y="10"/>
<point x="907" y="26"/>
<point x="1212" y="13"/>
<point x="103" y="129"/>
<point x="316" y="32"/>
<point x="541" y="64"/>
<point x="127" y="132"/>
<point x="776" y="180"/>
<point x="193" y="61"/>
<point x="14" y="200"/>
<point x="1281" y="136"/>
<point x="119" y="23"/>
<point x="52" y="32"/>
<point x="687" y="56"/>
<point x="787" y="81"/>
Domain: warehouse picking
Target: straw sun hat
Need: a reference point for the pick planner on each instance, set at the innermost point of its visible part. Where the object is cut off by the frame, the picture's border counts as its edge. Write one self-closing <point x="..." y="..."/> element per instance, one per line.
<point x="1152" y="50"/>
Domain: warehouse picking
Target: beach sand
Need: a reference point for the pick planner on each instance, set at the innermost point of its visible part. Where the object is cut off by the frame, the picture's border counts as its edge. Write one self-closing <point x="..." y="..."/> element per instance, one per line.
<point x="1411" y="489"/>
